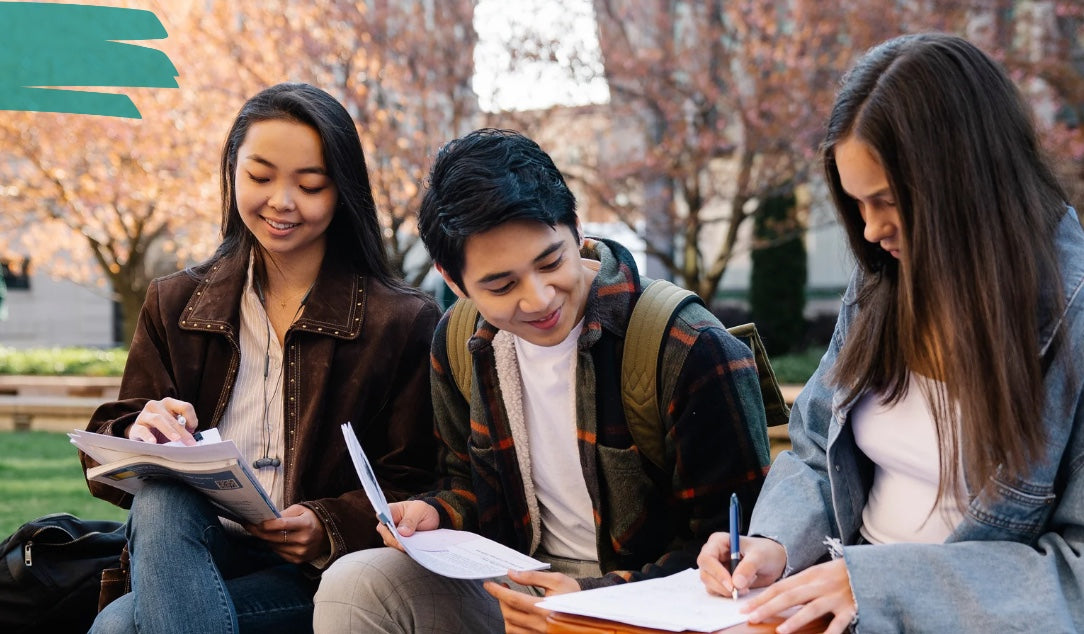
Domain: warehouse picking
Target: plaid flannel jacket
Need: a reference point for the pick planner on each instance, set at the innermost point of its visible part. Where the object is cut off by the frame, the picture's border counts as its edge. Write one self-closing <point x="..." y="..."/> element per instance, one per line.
<point x="649" y="523"/>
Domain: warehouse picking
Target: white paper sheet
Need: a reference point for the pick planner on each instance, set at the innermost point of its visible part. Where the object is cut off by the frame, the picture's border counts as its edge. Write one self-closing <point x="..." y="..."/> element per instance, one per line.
<point x="105" y="449"/>
<point x="675" y="603"/>
<point x="451" y="553"/>
<point x="205" y="437"/>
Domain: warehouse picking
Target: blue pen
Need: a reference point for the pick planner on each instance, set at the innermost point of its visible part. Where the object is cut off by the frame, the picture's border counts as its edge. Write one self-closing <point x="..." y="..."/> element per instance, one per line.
<point x="735" y="529"/>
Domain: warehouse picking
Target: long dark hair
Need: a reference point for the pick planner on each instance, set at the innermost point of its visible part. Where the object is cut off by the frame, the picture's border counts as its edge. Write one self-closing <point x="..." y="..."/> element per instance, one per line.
<point x="354" y="232"/>
<point x="978" y="208"/>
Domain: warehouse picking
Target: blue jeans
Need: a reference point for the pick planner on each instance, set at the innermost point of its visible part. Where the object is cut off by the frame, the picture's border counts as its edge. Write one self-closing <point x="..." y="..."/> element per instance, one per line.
<point x="190" y="575"/>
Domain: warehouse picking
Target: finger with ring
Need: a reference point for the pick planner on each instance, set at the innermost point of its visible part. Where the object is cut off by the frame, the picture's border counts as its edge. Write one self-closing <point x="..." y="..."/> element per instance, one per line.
<point x="284" y="536"/>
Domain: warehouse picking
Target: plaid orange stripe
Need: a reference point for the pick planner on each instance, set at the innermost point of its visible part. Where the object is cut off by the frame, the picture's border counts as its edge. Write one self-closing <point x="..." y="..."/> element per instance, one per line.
<point x="684" y="336"/>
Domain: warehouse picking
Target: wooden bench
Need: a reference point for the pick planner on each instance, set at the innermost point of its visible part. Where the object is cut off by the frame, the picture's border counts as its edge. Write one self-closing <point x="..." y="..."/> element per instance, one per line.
<point x="778" y="438"/>
<point x="102" y="387"/>
<point x="46" y="413"/>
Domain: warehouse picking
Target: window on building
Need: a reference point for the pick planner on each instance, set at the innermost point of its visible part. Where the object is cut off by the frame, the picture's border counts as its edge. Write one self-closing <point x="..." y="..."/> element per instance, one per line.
<point x="16" y="274"/>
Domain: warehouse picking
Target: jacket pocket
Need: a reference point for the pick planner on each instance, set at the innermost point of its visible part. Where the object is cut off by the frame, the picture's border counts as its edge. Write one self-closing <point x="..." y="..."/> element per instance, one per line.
<point x="484" y="472"/>
<point x="627" y="491"/>
<point x="1017" y="510"/>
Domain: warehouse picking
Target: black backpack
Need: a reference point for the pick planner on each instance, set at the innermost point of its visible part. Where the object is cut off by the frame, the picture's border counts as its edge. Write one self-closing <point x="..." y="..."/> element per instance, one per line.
<point x="51" y="572"/>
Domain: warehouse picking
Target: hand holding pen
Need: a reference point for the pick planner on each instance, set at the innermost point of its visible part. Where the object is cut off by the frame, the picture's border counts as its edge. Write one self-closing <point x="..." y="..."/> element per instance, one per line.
<point x="730" y="563"/>
<point x="167" y="420"/>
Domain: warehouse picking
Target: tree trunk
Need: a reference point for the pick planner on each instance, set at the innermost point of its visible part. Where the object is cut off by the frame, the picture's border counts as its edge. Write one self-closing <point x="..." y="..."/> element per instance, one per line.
<point x="131" y="302"/>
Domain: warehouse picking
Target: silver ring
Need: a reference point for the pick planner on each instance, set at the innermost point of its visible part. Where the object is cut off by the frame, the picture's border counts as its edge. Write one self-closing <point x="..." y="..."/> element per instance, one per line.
<point x="284" y="536"/>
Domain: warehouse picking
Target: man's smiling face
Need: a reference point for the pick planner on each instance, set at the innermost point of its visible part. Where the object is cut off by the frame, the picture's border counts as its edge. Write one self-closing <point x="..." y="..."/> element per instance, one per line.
<point x="527" y="278"/>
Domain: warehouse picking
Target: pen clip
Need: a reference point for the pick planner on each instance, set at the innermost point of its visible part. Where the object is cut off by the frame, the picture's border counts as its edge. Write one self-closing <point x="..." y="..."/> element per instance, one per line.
<point x="735" y="514"/>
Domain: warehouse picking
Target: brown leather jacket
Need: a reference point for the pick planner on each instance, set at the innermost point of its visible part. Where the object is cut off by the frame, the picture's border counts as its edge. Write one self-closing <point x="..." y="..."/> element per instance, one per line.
<point x="358" y="353"/>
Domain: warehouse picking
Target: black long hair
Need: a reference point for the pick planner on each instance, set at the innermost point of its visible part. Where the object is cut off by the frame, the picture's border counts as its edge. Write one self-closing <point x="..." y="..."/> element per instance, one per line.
<point x="354" y="232"/>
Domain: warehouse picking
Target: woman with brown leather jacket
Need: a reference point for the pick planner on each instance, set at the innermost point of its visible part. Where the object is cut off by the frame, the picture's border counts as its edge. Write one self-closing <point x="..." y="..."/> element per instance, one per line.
<point x="292" y="328"/>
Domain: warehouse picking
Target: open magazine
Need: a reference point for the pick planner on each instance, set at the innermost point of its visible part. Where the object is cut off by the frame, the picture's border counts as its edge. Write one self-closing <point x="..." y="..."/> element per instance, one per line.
<point x="213" y="466"/>
<point x="447" y="552"/>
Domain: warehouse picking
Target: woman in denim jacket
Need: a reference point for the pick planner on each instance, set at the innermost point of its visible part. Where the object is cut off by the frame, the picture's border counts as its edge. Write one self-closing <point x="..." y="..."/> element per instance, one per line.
<point x="936" y="479"/>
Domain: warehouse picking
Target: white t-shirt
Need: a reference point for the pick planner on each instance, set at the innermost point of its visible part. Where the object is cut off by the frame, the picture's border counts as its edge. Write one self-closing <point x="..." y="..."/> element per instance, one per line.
<point x="901" y="440"/>
<point x="548" y="374"/>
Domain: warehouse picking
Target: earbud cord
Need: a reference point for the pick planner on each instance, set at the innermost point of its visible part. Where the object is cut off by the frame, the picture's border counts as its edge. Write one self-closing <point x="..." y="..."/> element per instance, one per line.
<point x="267" y="460"/>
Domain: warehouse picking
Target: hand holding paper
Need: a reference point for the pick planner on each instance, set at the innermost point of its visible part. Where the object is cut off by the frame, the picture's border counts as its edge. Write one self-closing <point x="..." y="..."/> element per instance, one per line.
<point x="519" y="609"/>
<point x="455" y="554"/>
<point x="408" y="517"/>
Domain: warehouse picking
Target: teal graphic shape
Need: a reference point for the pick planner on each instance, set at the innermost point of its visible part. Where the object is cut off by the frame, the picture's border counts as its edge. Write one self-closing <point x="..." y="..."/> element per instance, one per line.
<point x="46" y="46"/>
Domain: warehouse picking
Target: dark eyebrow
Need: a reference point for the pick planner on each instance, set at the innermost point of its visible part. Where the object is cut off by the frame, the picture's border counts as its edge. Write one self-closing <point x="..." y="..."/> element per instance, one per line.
<point x="880" y="193"/>
<point x="550" y="250"/>
<point x="304" y="170"/>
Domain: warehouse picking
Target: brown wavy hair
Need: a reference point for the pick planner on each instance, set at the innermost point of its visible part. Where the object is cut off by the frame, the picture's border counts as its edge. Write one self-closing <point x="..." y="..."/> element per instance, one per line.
<point x="978" y="207"/>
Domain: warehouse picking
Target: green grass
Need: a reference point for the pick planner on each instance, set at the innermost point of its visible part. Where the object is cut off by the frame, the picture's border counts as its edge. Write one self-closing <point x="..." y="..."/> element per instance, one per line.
<point x="39" y="475"/>
<point x="796" y="368"/>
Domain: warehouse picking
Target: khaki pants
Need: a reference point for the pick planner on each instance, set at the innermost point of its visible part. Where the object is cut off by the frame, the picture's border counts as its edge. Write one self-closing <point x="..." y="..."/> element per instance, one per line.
<point x="384" y="590"/>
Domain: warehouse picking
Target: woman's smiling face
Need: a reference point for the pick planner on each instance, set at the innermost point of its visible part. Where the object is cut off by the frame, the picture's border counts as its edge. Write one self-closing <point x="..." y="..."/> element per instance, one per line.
<point x="284" y="194"/>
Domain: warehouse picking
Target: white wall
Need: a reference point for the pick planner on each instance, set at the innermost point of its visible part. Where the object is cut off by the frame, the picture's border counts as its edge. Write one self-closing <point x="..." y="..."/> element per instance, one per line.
<point x="56" y="313"/>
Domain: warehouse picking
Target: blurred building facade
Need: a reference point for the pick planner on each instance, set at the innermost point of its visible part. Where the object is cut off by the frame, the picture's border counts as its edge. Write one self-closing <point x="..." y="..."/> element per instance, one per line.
<point x="42" y="311"/>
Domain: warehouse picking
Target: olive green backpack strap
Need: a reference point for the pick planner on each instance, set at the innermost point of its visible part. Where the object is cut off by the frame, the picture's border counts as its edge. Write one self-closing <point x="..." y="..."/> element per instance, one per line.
<point x="648" y="326"/>
<point x="646" y="332"/>
<point x="775" y="408"/>
<point x="462" y="323"/>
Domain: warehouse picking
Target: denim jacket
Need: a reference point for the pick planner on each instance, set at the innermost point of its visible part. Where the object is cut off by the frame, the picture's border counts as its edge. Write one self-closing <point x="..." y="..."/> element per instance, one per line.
<point x="1014" y="563"/>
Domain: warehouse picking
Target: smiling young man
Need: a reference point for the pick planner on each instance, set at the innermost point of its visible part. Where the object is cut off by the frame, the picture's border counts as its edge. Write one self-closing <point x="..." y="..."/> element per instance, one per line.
<point x="541" y="459"/>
